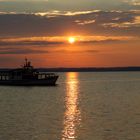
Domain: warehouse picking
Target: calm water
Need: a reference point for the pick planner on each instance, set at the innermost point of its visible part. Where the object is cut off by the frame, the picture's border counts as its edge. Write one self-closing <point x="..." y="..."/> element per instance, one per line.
<point x="84" y="106"/>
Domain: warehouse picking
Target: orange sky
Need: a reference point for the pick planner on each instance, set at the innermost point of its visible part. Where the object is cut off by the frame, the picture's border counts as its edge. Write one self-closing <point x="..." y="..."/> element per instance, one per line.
<point x="86" y="51"/>
<point x="106" y="33"/>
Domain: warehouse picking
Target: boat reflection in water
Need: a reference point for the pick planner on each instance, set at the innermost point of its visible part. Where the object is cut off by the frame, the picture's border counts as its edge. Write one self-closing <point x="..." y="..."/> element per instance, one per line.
<point x="72" y="116"/>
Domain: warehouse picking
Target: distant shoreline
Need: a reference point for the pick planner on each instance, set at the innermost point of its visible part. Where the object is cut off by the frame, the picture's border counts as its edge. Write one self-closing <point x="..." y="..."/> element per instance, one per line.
<point x="90" y="69"/>
<point x="115" y="69"/>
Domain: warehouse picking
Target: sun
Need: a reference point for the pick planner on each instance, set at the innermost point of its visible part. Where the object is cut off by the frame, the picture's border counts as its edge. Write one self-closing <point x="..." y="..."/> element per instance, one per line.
<point x="71" y="40"/>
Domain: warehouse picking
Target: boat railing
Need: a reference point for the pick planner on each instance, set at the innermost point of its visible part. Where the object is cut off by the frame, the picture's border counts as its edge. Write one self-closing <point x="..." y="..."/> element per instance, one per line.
<point x="45" y="75"/>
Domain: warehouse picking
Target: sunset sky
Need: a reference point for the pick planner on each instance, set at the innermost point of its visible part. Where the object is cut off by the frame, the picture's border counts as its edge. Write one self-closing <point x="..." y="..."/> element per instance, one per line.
<point x="70" y="33"/>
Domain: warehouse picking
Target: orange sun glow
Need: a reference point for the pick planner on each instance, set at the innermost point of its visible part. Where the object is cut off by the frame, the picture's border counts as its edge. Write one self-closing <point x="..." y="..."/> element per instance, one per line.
<point x="71" y="40"/>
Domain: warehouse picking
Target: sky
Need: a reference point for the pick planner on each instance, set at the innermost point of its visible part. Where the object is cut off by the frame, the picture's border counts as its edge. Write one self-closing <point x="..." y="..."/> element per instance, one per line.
<point x="106" y="33"/>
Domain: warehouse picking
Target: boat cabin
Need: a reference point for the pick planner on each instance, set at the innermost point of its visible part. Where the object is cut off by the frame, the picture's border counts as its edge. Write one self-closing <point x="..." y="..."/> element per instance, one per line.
<point x="26" y="72"/>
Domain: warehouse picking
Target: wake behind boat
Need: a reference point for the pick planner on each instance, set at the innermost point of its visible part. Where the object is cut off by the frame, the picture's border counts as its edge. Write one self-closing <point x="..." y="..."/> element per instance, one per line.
<point x="27" y="75"/>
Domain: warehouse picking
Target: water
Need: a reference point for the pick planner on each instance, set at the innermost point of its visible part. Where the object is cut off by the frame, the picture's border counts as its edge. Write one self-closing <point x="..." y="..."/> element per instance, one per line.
<point x="83" y="106"/>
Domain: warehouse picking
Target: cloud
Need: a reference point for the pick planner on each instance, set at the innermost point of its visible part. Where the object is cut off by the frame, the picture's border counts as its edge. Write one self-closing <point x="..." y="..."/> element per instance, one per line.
<point x="63" y="5"/>
<point x="58" y="23"/>
<point x="32" y="43"/>
<point x="75" y="51"/>
<point x="24" y="0"/>
<point x="35" y="50"/>
<point x="59" y="40"/>
<point x="85" y="22"/>
<point x="21" y="51"/>
<point x="136" y="2"/>
<point x="55" y="13"/>
<point x="25" y="52"/>
<point x="127" y="24"/>
<point x="43" y="45"/>
<point x="133" y="2"/>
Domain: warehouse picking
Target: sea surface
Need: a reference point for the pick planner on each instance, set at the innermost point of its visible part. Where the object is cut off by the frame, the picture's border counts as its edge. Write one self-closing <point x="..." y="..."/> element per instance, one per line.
<point x="83" y="106"/>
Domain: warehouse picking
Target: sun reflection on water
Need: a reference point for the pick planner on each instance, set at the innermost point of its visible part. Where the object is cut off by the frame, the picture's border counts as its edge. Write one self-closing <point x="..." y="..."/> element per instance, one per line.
<point x="72" y="114"/>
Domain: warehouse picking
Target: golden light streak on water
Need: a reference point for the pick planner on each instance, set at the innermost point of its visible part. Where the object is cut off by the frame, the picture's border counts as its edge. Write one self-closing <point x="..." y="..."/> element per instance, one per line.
<point x="72" y="114"/>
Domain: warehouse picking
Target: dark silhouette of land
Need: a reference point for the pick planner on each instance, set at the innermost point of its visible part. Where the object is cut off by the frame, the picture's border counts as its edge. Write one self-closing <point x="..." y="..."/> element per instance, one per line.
<point x="94" y="69"/>
<point x="90" y="69"/>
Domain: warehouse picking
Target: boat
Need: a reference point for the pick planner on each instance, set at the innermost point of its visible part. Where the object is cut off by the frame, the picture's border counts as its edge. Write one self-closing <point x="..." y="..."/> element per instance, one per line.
<point x="26" y="75"/>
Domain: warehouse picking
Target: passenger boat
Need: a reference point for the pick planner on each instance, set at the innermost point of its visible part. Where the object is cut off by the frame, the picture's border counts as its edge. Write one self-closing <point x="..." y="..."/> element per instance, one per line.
<point x="27" y="76"/>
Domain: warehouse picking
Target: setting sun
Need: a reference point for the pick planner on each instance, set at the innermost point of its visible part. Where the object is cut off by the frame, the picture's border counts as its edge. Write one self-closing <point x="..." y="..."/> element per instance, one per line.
<point x="71" y="40"/>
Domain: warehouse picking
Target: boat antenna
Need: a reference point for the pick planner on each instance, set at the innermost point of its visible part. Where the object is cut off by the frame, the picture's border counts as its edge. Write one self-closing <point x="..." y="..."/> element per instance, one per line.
<point x="26" y="61"/>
